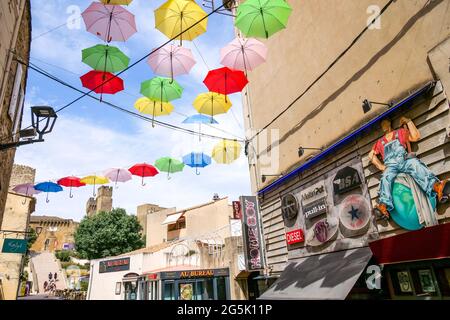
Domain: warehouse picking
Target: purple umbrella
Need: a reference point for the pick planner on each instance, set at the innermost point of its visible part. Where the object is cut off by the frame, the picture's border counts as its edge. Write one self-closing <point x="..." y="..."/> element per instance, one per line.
<point x="118" y="175"/>
<point x="109" y="22"/>
<point x="171" y="61"/>
<point x="243" y="54"/>
<point x="26" y="189"/>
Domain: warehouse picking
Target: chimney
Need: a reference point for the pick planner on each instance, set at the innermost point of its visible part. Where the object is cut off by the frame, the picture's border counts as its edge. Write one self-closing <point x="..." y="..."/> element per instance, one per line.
<point x="216" y="197"/>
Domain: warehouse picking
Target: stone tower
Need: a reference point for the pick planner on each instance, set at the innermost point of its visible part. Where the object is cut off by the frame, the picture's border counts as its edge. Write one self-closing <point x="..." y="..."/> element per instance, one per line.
<point x="21" y="174"/>
<point x="103" y="202"/>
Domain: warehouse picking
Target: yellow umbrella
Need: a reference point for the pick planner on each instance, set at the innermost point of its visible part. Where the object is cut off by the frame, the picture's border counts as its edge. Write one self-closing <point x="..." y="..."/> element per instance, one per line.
<point x="153" y="107"/>
<point x="94" y="180"/>
<point x="226" y="151"/>
<point x="175" y="17"/>
<point x="117" y="2"/>
<point x="212" y="103"/>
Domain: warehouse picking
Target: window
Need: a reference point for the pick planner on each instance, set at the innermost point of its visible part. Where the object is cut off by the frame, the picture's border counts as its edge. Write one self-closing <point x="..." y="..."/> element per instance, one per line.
<point x="118" y="288"/>
<point x="169" y="291"/>
<point x="221" y="289"/>
<point x="47" y="242"/>
<point x="180" y="224"/>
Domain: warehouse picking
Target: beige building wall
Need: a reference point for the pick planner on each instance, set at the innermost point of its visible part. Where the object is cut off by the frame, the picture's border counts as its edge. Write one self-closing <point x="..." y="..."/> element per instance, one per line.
<point x="383" y="65"/>
<point x="156" y="232"/>
<point x="15" y="38"/>
<point x="143" y="211"/>
<point x="17" y="211"/>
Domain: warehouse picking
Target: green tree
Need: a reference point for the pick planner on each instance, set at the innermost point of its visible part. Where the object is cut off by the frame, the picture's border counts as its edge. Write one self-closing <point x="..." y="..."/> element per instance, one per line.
<point x="108" y="234"/>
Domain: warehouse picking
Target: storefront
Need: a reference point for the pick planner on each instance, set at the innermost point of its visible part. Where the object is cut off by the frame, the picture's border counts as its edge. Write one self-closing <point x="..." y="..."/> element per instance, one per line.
<point x="202" y="284"/>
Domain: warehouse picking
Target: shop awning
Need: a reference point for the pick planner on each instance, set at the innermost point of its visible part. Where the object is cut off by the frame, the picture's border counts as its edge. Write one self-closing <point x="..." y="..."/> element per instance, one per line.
<point x="130" y="277"/>
<point x="328" y="276"/>
<point x="427" y="243"/>
<point x="173" y="218"/>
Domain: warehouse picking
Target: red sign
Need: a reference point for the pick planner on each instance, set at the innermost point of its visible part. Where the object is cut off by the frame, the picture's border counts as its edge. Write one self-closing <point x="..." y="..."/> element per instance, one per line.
<point x="295" y="236"/>
<point x="237" y="211"/>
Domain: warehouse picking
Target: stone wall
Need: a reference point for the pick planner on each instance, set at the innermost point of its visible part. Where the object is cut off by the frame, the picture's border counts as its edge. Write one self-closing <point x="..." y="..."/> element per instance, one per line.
<point x="21" y="174"/>
<point x="55" y="233"/>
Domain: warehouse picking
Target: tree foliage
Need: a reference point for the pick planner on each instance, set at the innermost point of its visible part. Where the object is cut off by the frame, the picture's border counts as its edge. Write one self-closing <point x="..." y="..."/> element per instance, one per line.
<point x="108" y="234"/>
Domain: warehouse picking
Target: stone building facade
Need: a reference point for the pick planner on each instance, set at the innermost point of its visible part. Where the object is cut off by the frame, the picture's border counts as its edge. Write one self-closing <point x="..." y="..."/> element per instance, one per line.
<point x="103" y="201"/>
<point x="15" y="40"/>
<point x="55" y="233"/>
<point x="143" y="211"/>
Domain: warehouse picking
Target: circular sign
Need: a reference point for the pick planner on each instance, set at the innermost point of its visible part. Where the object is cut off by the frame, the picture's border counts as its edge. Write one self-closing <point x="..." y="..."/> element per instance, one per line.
<point x="322" y="231"/>
<point x="354" y="214"/>
<point x="405" y="212"/>
<point x="289" y="206"/>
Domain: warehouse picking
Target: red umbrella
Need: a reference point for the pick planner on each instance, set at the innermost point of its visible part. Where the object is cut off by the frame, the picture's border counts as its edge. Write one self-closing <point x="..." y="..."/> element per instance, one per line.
<point x="143" y="170"/>
<point x="225" y="81"/>
<point x="102" y="82"/>
<point x="72" y="182"/>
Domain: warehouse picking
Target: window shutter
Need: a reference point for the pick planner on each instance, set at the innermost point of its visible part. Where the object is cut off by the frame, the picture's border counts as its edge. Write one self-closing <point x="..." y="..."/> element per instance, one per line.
<point x="15" y="93"/>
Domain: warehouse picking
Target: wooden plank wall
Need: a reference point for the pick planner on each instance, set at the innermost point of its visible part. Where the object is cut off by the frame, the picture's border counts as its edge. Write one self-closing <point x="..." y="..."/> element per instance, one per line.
<point x="430" y="115"/>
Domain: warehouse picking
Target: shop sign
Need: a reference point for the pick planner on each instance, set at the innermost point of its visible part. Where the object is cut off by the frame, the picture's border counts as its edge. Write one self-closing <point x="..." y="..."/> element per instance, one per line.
<point x="237" y="211"/>
<point x="346" y="180"/>
<point x="151" y="276"/>
<point x="314" y="200"/>
<point x="114" y="265"/>
<point x="289" y="206"/>
<point x="193" y="274"/>
<point x="15" y="246"/>
<point x="322" y="231"/>
<point x="296" y="236"/>
<point x="253" y="246"/>
<point x="354" y="213"/>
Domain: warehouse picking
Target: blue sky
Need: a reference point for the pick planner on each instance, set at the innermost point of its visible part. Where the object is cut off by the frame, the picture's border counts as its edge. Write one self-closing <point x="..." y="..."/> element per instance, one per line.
<point x="90" y="137"/>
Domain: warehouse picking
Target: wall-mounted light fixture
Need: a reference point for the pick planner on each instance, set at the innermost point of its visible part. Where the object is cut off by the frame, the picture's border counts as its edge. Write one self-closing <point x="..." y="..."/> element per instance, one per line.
<point x="301" y="150"/>
<point x="367" y="105"/>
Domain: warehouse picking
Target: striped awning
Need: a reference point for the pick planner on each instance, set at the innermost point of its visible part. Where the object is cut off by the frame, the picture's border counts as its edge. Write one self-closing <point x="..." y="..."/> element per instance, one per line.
<point x="173" y="218"/>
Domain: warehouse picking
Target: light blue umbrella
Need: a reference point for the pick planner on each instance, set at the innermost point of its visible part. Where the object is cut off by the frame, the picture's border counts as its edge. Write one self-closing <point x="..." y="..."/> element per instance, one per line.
<point x="48" y="187"/>
<point x="200" y="119"/>
<point x="197" y="160"/>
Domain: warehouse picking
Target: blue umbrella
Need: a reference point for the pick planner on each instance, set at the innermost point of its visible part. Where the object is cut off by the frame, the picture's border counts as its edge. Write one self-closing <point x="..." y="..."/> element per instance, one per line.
<point x="197" y="160"/>
<point x="200" y="119"/>
<point x="48" y="187"/>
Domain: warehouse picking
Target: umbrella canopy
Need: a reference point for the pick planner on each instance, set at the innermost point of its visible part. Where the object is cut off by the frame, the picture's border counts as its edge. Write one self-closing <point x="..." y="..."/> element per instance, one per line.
<point x="161" y="89"/>
<point x="175" y="17"/>
<point x="197" y="160"/>
<point x="143" y="170"/>
<point x="225" y="81"/>
<point x="94" y="180"/>
<point x="243" y="54"/>
<point x="27" y="189"/>
<point x="212" y="103"/>
<point x="200" y="119"/>
<point x="105" y="58"/>
<point x="109" y="22"/>
<point x="71" y="182"/>
<point x="102" y="82"/>
<point x="118" y="175"/>
<point x="117" y="2"/>
<point x="226" y="151"/>
<point x="171" y="61"/>
<point x="153" y="107"/>
<point x="169" y="165"/>
<point x="48" y="187"/>
<point x="262" y="18"/>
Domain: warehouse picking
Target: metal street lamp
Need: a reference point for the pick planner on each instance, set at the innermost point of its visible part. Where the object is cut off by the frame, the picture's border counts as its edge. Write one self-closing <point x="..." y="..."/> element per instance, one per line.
<point x="43" y="119"/>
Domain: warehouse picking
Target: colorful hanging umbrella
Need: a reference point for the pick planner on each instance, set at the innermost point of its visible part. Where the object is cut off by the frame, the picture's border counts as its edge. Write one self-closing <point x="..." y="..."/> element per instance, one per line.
<point x="109" y="22"/>
<point x="262" y="18"/>
<point x="171" y="61"/>
<point x="226" y="151"/>
<point x="102" y="82"/>
<point x="212" y="103"/>
<point x="48" y="187"/>
<point x="225" y="81"/>
<point x="27" y="189"/>
<point x="200" y="119"/>
<point x="181" y="20"/>
<point x="143" y="170"/>
<point x="152" y="107"/>
<point x="117" y="2"/>
<point x="118" y="175"/>
<point x="161" y="89"/>
<point x="197" y="160"/>
<point x="243" y="54"/>
<point x="105" y="58"/>
<point x="71" y="182"/>
<point x="169" y="165"/>
<point x="94" y="180"/>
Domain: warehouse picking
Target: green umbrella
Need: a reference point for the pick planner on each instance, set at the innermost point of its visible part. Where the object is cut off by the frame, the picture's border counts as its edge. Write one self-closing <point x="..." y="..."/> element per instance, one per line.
<point x="161" y="89"/>
<point x="169" y="165"/>
<point x="262" y="18"/>
<point x="105" y="58"/>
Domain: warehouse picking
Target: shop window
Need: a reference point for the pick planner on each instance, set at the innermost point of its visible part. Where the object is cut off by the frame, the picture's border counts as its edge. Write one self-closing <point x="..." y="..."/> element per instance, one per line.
<point x="443" y="278"/>
<point x="221" y="288"/>
<point x="130" y="290"/>
<point x="169" y="291"/>
<point x="402" y="283"/>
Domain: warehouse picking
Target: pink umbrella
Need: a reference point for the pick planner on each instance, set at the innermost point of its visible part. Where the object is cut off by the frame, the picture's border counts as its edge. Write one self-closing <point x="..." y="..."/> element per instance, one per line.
<point x="27" y="189"/>
<point x="109" y="22"/>
<point x="118" y="175"/>
<point x="243" y="54"/>
<point x="172" y="61"/>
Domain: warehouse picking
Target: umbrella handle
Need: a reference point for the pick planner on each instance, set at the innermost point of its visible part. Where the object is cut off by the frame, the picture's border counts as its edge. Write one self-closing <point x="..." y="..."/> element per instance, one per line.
<point x="47" y="200"/>
<point x="197" y="172"/>
<point x="70" y="194"/>
<point x="93" y="191"/>
<point x="142" y="183"/>
<point x="24" y="202"/>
